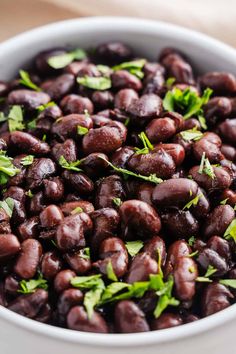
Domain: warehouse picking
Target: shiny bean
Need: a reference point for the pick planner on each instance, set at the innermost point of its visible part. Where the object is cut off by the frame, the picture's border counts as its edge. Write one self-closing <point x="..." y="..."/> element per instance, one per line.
<point x="166" y="320"/>
<point x="28" y="260"/>
<point x="9" y="246"/>
<point x="218" y="221"/>
<point x="28" y="144"/>
<point x="129" y="318"/>
<point x="216" y="297"/>
<point x="141" y="267"/>
<point x="27" y="98"/>
<point x="220" y="82"/>
<point x="77" y="319"/>
<point x="76" y="104"/>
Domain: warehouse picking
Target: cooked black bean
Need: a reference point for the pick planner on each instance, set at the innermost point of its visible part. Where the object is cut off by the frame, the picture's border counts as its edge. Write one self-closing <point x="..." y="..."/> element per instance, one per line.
<point x="118" y="184"/>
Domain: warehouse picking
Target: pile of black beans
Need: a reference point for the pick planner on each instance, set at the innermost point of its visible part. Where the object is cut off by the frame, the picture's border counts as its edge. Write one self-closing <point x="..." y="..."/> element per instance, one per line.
<point x="118" y="190"/>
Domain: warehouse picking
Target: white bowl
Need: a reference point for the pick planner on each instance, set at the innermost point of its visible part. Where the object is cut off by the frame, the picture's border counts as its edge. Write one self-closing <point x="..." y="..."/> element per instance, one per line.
<point x="212" y="335"/>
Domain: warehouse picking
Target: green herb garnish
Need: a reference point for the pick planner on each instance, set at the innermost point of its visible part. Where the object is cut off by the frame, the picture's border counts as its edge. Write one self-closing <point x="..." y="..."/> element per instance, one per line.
<point x="8" y="206"/>
<point x="69" y="165"/>
<point x="191" y="134"/>
<point x="82" y="130"/>
<point x="191" y="241"/>
<point x="228" y="282"/>
<point x="169" y="82"/>
<point x="224" y="201"/>
<point x="62" y="60"/>
<point x="110" y="272"/>
<point x="15" y="119"/>
<point x="134" y="67"/>
<point x="231" y="231"/>
<point x="117" y="201"/>
<point x="29" y="286"/>
<point x="133" y="247"/>
<point x="27" y="160"/>
<point x="26" y="81"/>
<point x="77" y="210"/>
<point x="151" y="178"/>
<point x="84" y="253"/>
<point x="7" y="169"/>
<point x="29" y="194"/>
<point x="42" y="107"/>
<point x="146" y="143"/>
<point x="187" y="102"/>
<point x="193" y="202"/>
<point x="205" y="167"/>
<point x="95" y="83"/>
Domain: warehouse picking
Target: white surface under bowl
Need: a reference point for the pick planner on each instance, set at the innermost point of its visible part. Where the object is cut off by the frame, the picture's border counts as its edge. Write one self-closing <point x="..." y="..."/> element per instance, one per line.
<point x="212" y="335"/>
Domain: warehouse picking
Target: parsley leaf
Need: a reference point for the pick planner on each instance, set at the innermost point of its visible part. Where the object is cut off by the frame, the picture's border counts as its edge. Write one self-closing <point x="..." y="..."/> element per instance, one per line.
<point x="62" y="60"/>
<point x="26" y="81"/>
<point x="231" y="231"/>
<point x="228" y="282"/>
<point x="95" y="83"/>
<point x="165" y="297"/>
<point x="7" y="169"/>
<point x="224" y="201"/>
<point x="110" y="272"/>
<point x="82" y="130"/>
<point x="29" y="193"/>
<point x="186" y="102"/>
<point x="117" y="201"/>
<point x="77" y="210"/>
<point x="169" y="82"/>
<point x="91" y="299"/>
<point x="42" y="107"/>
<point x="191" y="241"/>
<point x="191" y="134"/>
<point x="104" y="69"/>
<point x="133" y="247"/>
<point x="29" y="286"/>
<point x="192" y="202"/>
<point x="15" y="119"/>
<point x="69" y="165"/>
<point x="3" y="118"/>
<point x="84" y="253"/>
<point x="134" y="67"/>
<point x="146" y="143"/>
<point x="86" y="282"/>
<point x="210" y="271"/>
<point x="8" y="206"/>
<point x="27" y="160"/>
<point x="205" y="167"/>
<point x="151" y="178"/>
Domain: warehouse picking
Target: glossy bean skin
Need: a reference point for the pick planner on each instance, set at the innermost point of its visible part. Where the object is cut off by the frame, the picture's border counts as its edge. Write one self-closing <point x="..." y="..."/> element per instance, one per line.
<point x="77" y="319"/>
<point x="68" y="208"/>
<point x="160" y="130"/>
<point x="174" y="192"/>
<point x="78" y="181"/>
<point x="41" y="60"/>
<point x="29" y="228"/>
<point x="109" y="188"/>
<point x="156" y="248"/>
<point x="209" y="144"/>
<point x="68" y="299"/>
<point x="218" y="221"/>
<point x="62" y="280"/>
<point x="113" y="53"/>
<point x="123" y="79"/>
<point x="29" y="305"/>
<point x="180" y="223"/>
<point x="28" y="143"/>
<point x="220" y="82"/>
<point x="208" y="257"/>
<point x="106" y="139"/>
<point x="216" y="297"/>
<point x="102" y="99"/>
<point x="94" y="164"/>
<point x="60" y="86"/>
<point x="53" y="189"/>
<point x="51" y="216"/>
<point x="67" y="149"/>
<point x="139" y="218"/>
<point x="177" y="67"/>
<point x="27" y="98"/>
<point x="76" y="104"/>
<point x="158" y="162"/>
<point x="221" y="180"/>
<point x="105" y="225"/>
<point x="112" y="250"/>
<point x="141" y="267"/>
<point x="144" y="192"/>
<point x="129" y="318"/>
<point x="177" y="250"/>
<point x="166" y="320"/>
<point x="185" y="273"/>
<point x="227" y="130"/>
<point x="78" y="262"/>
<point x="66" y="127"/>
<point x="71" y="232"/>
<point x="50" y="265"/>
<point x="217" y="108"/>
<point x="28" y="259"/>
<point x="39" y="170"/>
<point x="229" y="152"/>
<point x="124" y="98"/>
<point x="146" y="107"/>
<point x="9" y="246"/>
<point x="121" y="156"/>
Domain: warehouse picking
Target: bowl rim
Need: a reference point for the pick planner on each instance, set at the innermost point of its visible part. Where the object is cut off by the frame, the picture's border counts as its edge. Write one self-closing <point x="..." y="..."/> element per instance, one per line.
<point x="133" y="339"/>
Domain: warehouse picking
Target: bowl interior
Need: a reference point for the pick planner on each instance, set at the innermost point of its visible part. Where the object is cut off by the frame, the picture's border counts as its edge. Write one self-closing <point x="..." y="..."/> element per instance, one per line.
<point x="147" y="38"/>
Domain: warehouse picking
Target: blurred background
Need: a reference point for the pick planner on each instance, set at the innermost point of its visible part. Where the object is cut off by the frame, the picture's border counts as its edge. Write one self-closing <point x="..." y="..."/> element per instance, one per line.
<point x="214" y="17"/>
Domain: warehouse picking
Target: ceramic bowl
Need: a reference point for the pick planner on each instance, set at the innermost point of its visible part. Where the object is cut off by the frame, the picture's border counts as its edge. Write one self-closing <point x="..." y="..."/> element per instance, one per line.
<point x="212" y="335"/>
